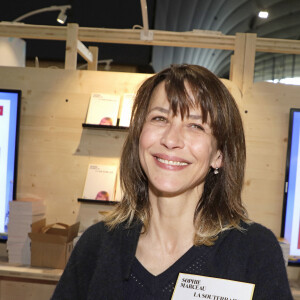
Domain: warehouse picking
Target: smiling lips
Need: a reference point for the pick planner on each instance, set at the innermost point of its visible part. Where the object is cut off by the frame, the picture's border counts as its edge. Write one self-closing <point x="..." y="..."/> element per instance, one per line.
<point x="170" y="162"/>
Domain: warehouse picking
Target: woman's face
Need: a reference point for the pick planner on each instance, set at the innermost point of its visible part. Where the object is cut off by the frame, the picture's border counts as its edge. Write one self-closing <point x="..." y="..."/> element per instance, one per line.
<point x="176" y="154"/>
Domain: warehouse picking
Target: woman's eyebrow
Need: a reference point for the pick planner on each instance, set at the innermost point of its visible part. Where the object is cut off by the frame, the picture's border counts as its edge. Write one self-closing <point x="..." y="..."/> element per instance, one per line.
<point x="166" y="111"/>
<point x="195" y="117"/>
<point x="160" y="109"/>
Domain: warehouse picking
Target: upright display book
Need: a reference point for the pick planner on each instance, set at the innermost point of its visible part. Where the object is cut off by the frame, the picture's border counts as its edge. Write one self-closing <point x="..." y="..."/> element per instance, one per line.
<point x="100" y="183"/>
<point x="103" y="109"/>
<point x="126" y="107"/>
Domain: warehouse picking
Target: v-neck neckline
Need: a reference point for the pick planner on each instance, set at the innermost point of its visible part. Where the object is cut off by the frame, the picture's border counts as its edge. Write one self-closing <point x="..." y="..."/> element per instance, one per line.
<point x="179" y="261"/>
<point x="155" y="282"/>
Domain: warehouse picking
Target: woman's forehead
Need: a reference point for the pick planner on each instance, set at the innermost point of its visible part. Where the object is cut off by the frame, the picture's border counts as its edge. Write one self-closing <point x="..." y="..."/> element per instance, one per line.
<point x="159" y="98"/>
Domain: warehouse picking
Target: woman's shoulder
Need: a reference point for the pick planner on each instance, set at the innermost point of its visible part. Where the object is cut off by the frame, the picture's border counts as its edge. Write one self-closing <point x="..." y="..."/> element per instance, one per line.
<point x="252" y="242"/>
<point x="91" y="238"/>
<point x="98" y="231"/>
<point x="253" y="236"/>
<point x="94" y="231"/>
<point x="101" y="232"/>
<point x="96" y="228"/>
<point x="257" y="231"/>
<point x="98" y="240"/>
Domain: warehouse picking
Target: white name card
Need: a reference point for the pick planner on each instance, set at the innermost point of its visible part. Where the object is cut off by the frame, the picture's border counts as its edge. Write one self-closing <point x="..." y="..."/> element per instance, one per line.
<point x="195" y="287"/>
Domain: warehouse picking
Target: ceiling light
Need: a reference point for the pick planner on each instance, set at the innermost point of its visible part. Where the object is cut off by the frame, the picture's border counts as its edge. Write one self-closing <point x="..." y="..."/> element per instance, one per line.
<point x="263" y="14"/>
<point x="61" y="17"/>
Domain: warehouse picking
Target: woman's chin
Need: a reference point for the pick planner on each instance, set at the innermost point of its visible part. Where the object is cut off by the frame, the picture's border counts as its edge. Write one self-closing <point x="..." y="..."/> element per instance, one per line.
<point x="166" y="190"/>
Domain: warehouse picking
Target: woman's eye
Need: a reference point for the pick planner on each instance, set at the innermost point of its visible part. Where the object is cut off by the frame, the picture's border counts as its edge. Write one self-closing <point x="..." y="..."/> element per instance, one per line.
<point x="159" y="119"/>
<point x="197" y="126"/>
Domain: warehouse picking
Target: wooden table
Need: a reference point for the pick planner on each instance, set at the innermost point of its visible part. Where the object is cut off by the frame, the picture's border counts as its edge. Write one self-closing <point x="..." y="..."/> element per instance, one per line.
<point x="26" y="282"/>
<point x="30" y="283"/>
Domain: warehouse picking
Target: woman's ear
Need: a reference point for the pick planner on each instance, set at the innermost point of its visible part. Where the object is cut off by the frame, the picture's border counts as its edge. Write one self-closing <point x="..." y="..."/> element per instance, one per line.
<point x="218" y="160"/>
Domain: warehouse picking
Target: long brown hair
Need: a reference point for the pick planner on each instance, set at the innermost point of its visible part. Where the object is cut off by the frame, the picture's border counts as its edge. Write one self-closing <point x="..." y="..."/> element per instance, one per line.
<point x="220" y="206"/>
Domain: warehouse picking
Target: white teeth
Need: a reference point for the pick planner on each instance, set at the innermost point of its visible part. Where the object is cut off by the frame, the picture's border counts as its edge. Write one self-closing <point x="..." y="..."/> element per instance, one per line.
<point x="170" y="162"/>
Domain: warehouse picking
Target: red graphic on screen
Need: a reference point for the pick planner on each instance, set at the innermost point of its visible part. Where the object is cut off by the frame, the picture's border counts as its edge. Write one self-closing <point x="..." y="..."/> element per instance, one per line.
<point x="1" y="110"/>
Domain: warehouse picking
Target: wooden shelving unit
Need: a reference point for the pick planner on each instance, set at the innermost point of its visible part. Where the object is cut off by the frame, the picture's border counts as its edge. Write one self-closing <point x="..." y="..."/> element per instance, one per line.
<point x="104" y="127"/>
<point x="97" y="201"/>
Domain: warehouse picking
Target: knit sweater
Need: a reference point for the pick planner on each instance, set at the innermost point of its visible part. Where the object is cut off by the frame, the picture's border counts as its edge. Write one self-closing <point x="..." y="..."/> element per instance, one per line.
<point x="101" y="262"/>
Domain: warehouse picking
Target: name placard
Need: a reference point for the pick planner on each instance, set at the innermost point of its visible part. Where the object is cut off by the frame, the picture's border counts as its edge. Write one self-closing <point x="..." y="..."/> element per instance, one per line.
<point x="189" y="286"/>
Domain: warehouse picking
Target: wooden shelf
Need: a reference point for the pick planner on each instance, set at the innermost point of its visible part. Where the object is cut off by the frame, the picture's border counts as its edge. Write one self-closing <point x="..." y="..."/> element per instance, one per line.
<point x="101" y="127"/>
<point x="104" y="127"/>
<point x="97" y="201"/>
<point x="27" y="272"/>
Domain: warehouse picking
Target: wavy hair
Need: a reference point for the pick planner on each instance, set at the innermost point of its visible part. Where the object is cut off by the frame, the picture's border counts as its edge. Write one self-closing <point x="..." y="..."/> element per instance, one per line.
<point x="220" y="206"/>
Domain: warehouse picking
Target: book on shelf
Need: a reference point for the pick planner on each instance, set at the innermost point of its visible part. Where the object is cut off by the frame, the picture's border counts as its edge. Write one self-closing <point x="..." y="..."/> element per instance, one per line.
<point x="103" y="109"/>
<point x="100" y="183"/>
<point x="126" y="107"/>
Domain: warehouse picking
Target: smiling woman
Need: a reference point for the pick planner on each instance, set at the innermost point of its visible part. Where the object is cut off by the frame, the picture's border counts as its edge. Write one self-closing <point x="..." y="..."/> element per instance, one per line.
<point x="182" y="170"/>
<point x="176" y="152"/>
<point x="196" y="97"/>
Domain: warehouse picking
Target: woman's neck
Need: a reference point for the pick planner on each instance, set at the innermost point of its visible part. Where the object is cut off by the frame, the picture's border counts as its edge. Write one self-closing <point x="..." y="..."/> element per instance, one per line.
<point x="170" y="233"/>
<point x="171" y="224"/>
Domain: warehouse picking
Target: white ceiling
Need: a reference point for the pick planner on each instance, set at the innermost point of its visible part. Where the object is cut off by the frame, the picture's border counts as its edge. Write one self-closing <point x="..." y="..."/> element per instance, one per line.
<point x="229" y="17"/>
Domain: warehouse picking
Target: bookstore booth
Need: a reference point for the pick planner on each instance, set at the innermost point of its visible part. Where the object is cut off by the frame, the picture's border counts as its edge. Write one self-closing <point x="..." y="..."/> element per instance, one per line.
<point x="62" y="132"/>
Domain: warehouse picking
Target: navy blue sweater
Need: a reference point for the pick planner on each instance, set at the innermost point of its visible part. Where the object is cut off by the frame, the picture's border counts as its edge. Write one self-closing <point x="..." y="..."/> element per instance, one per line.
<point x="101" y="263"/>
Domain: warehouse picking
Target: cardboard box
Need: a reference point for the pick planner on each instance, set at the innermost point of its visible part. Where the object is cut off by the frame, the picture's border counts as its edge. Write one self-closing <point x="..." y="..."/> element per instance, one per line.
<point x="52" y="245"/>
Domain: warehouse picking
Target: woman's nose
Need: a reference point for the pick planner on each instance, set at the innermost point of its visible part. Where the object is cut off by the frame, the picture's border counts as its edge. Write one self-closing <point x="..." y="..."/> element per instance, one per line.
<point x="172" y="137"/>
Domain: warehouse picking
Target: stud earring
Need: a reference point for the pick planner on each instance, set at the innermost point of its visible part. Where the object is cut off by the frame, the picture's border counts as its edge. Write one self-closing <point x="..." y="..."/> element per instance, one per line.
<point x="216" y="171"/>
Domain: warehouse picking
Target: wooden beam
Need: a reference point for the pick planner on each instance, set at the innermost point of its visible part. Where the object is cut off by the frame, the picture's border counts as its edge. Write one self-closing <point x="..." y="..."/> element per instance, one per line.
<point x="26" y="31"/>
<point x="231" y="67"/>
<point x="145" y="16"/>
<point x="84" y="52"/>
<point x="278" y="46"/>
<point x="93" y="66"/>
<point x="239" y="57"/>
<point x="120" y="36"/>
<point x="71" y="47"/>
<point x="132" y="36"/>
<point x="242" y="68"/>
<point x="160" y="38"/>
<point x="249" y="61"/>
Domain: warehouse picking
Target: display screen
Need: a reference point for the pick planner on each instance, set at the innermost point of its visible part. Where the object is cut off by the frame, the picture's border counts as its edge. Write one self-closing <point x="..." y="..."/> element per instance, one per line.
<point x="291" y="207"/>
<point x="9" y="135"/>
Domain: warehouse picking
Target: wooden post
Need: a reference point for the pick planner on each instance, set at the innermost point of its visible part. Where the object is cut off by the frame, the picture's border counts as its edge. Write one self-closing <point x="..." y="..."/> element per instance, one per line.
<point x="239" y="58"/>
<point x="93" y="65"/>
<point x="242" y="69"/>
<point x="71" y="47"/>
<point x="231" y="67"/>
<point x="249" y="63"/>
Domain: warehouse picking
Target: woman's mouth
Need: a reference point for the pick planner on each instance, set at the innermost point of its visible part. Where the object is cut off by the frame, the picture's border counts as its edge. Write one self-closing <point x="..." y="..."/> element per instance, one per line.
<point x="171" y="162"/>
